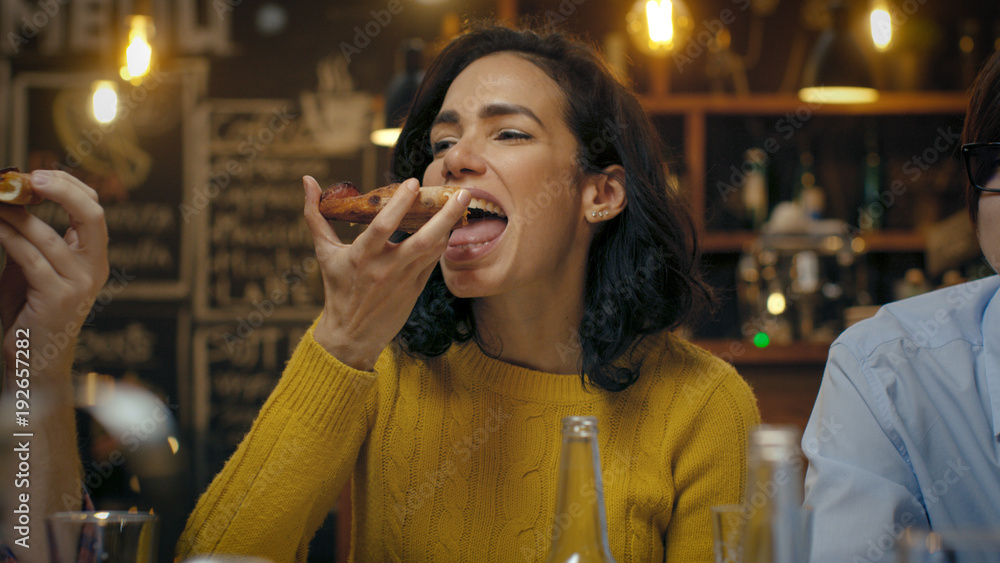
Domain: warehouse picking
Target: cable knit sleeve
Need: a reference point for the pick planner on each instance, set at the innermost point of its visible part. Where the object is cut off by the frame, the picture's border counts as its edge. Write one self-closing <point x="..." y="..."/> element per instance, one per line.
<point x="712" y="468"/>
<point x="285" y="476"/>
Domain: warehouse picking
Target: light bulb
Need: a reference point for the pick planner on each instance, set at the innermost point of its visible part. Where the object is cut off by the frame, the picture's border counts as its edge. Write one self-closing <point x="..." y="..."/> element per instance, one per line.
<point x="881" y="23"/>
<point x="659" y="27"/>
<point x="139" y="53"/>
<point x="105" y="100"/>
<point x="659" y="19"/>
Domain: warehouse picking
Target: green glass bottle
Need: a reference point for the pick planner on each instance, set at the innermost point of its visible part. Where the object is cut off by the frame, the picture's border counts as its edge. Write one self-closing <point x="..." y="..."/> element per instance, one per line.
<point x="579" y="528"/>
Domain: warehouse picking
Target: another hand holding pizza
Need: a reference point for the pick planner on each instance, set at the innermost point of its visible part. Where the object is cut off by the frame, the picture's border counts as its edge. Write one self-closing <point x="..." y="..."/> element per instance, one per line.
<point x="371" y="285"/>
<point x="50" y="280"/>
<point x="47" y="288"/>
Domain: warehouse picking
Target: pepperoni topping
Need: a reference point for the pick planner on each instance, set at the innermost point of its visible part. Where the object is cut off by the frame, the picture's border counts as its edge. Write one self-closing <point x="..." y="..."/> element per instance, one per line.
<point x="340" y="190"/>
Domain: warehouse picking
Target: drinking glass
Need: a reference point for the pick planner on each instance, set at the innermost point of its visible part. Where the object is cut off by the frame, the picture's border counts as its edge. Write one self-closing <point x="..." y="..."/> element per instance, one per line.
<point x="940" y="546"/>
<point x="108" y="537"/>
<point x="728" y="523"/>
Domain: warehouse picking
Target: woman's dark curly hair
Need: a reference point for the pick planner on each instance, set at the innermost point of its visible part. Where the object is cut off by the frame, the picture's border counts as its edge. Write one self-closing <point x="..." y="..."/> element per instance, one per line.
<point x="643" y="271"/>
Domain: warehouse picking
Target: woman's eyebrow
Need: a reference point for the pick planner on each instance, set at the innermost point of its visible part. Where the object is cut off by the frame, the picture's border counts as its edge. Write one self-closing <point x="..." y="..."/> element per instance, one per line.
<point x="446" y="116"/>
<point x="499" y="109"/>
<point x="490" y="110"/>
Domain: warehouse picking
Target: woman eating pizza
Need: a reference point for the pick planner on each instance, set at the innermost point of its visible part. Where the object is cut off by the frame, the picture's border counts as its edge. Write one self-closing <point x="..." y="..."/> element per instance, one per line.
<point x="437" y="375"/>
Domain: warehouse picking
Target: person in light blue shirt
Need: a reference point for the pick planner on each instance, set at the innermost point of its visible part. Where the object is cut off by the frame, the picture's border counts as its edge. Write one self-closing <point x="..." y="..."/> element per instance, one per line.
<point x="906" y="427"/>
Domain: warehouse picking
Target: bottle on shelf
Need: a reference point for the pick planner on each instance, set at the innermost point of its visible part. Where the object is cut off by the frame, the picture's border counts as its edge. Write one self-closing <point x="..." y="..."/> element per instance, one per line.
<point x="579" y="528"/>
<point x="776" y="524"/>
<point x="755" y="187"/>
<point x="809" y="196"/>
<point x="870" y="216"/>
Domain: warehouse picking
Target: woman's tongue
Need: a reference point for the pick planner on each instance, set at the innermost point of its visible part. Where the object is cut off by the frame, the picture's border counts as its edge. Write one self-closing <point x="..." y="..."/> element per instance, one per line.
<point x="477" y="232"/>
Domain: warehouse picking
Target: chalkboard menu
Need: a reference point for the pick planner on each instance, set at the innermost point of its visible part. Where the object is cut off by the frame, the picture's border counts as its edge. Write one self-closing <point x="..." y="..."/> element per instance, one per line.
<point x="140" y="165"/>
<point x="258" y="284"/>
<point x="256" y="253"/>
<point x="141" y="342"/>
<point x="235" y="371"/>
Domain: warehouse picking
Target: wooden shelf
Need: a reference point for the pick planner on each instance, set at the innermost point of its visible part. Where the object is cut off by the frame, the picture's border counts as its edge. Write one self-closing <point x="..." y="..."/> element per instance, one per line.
<point x="889" y="103"/>
<point x="743" y="352"/>
<point x="895" y="241"/>
<point x="726" y="241"/>
<point x="695" y="108"/>
<point x="878" y="241"/>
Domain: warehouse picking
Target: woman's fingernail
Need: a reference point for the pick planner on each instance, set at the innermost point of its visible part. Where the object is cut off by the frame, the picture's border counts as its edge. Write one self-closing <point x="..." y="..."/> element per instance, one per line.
<point x="464" y="196"/>
<point x="41" y="177"/>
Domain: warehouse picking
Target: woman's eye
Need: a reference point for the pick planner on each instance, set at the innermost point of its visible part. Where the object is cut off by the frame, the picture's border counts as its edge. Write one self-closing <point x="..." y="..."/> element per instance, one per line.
<point x="509" y="134"/>
<point x="440" y="146"/>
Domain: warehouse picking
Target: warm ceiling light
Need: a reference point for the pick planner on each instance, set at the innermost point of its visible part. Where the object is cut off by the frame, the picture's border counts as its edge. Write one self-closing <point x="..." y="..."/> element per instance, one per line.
<point x="838" y="95"/>
<point x="881" y="23"/>
<point x="659" y="17"/>
<point x="105" y="101"/>
<point x="659" y="27"/>
<point x="139" y="53"/>
<point x="837" y="71"/>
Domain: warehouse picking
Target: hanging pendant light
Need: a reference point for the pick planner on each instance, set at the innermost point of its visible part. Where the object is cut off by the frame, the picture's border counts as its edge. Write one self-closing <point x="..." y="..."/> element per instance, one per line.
<point x="137" y="60"/>
<point x="659" y="27"/>
<point x="837" y="71"/>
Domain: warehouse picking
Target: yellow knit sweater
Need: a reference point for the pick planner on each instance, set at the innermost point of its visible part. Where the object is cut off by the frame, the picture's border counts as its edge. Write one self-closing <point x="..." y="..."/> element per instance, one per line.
<point x="455" y="458"/>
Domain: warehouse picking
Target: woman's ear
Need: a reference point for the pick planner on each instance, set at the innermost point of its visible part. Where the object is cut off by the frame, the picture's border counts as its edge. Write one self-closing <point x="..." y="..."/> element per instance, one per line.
<point x="604" y="194"/>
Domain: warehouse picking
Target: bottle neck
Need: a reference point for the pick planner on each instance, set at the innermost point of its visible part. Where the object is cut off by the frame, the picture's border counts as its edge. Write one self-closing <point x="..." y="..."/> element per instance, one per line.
<point x="579" y="528"/>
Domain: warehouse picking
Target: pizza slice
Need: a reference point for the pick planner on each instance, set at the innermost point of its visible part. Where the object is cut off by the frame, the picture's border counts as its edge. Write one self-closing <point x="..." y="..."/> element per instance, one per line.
<point x="15" y="188"/>
<point x="343" y="202"/>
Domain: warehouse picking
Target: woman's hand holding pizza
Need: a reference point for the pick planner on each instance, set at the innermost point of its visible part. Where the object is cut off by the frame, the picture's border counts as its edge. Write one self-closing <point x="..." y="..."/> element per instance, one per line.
<point x="372" y="284"/>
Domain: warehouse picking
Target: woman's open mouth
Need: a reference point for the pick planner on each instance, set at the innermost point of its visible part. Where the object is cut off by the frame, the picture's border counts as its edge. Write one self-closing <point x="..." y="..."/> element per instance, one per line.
<point x="487" y="222"/>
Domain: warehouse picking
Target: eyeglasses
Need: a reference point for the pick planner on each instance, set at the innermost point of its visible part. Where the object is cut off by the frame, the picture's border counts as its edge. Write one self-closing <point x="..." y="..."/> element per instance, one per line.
<point x="982" y="163"/>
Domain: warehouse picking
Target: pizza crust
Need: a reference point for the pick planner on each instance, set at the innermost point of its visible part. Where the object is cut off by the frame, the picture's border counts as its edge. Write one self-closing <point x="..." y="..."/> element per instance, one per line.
<point x="15" y="188"/>
<point x="363" y="208"/>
